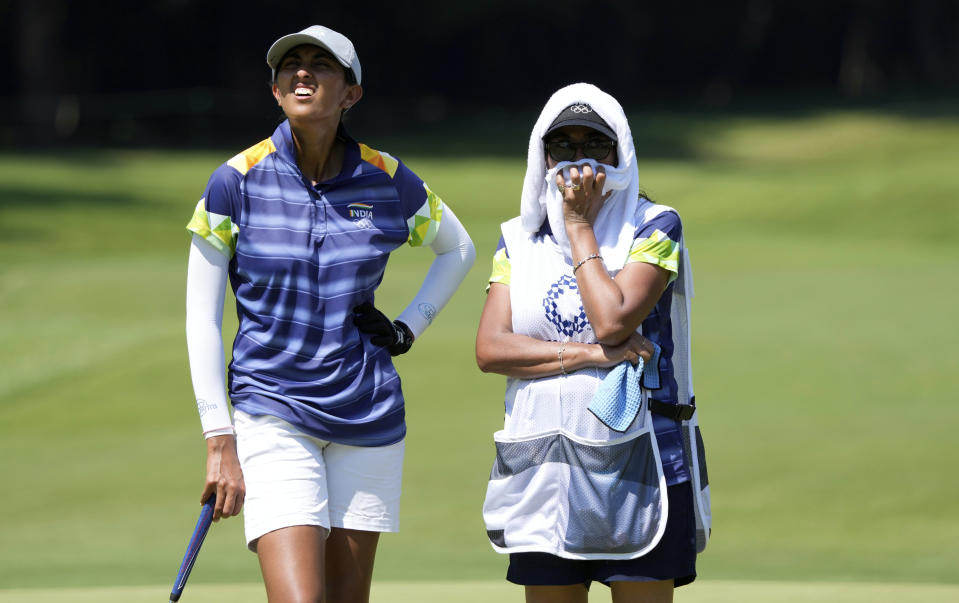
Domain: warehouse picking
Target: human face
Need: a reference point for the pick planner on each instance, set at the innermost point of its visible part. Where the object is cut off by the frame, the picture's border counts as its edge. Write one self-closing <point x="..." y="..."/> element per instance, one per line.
<point x="578" y="135"/>
<point x="311" y="85"/>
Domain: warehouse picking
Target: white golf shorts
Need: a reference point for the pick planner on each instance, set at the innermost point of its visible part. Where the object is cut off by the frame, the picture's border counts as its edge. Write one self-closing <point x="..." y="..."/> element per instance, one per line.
<point x="294" y="479"/>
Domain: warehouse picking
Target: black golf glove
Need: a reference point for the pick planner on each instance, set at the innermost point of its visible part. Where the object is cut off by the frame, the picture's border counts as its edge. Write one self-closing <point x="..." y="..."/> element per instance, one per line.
<point x="394" y="335"/>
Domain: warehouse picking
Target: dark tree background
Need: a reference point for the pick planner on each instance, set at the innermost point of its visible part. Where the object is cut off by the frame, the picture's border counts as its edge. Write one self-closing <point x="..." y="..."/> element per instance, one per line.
<point x="193" y="72"/>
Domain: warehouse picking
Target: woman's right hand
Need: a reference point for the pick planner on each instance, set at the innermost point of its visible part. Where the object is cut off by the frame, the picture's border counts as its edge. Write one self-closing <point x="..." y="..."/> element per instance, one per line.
<point x="583" y="195"/>
<point x="224" y="477"/>
<point x="632" y="349"/>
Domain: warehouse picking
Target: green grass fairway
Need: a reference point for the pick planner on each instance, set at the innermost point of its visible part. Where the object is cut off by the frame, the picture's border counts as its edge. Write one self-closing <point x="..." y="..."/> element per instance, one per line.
<point x="706" y="591"/>
<point x="826" y="257"/>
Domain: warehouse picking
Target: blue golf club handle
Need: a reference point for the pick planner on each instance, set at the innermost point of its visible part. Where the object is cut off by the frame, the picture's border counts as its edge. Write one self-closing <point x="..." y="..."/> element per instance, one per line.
<point x="193" y="548"/>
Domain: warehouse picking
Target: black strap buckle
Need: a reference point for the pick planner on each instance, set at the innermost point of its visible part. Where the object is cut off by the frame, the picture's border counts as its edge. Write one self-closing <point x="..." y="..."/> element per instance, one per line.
<point x="676" y="412"/>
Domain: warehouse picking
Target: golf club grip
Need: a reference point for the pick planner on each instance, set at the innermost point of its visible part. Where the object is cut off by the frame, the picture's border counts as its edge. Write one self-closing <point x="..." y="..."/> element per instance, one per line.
<point x="193" y="547"/>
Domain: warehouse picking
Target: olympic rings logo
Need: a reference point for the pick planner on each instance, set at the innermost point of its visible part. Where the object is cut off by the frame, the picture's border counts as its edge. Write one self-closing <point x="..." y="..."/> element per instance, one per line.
<point x="581" y="109"/>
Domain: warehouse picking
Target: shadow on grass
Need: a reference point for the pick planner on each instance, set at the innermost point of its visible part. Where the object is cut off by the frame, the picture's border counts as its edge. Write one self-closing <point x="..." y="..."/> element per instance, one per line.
<point x="40" y="197"/>
<point x="48" y="218"/>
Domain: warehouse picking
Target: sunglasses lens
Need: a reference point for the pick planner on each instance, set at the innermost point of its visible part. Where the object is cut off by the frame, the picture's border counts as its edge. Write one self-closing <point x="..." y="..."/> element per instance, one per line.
<point x="597" y="150"/>
<point x="565" y="150"/>
<point x="561" y="151"/>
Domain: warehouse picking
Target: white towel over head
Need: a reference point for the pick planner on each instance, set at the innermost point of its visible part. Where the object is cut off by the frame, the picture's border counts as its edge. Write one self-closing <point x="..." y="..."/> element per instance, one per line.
<point x="542" y="200"/>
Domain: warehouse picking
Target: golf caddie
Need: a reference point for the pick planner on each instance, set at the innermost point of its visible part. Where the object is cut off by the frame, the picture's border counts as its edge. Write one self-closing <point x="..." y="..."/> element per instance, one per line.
<point x="599" y="472"/>
<point x="301" y="225"/>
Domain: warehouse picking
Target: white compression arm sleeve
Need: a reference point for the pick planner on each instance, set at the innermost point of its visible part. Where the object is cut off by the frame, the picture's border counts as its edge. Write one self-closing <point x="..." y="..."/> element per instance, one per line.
<point x="454" y="256"/>
<point x="205" y="292"/>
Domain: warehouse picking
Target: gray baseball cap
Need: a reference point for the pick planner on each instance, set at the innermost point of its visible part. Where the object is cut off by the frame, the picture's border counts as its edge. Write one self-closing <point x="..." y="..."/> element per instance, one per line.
<point x="317" y="35"/>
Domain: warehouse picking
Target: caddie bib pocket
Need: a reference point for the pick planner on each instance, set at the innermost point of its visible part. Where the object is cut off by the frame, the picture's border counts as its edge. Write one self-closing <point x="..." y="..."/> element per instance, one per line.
<point x="576" y="498"/>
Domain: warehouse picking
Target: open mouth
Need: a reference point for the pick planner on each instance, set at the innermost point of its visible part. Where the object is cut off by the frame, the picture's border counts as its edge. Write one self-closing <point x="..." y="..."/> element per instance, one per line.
<point x="303" y="92"/>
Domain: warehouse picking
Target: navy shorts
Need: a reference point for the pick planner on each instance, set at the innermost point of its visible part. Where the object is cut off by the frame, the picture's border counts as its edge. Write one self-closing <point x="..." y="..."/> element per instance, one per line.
<point x="674" y="557"/>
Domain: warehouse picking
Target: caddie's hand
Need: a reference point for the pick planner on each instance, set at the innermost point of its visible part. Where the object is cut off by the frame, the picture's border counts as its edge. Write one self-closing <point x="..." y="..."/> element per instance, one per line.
<point x="583" y="195"/>
<point x="631" y="350"/>
<point x="394" y="335"/>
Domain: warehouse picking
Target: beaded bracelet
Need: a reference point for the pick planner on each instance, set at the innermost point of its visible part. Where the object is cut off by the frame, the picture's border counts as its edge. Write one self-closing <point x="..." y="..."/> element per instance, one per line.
<point x="586" y="259"/>
<point x="559" y="354"/>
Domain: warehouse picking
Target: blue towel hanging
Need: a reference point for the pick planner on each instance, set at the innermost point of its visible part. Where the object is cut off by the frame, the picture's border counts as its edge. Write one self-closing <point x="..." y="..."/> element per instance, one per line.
<point x="618" y="398"/>
<point x="651" y="372"/>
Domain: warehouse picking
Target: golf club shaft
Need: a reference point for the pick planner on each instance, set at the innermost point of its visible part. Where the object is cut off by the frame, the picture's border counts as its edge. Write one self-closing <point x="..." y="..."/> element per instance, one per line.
<point x="193" y="548"/>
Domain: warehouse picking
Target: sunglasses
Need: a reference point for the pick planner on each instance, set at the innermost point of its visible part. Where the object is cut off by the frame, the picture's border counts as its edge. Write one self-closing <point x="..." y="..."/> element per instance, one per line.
<point x="565" y="150"/>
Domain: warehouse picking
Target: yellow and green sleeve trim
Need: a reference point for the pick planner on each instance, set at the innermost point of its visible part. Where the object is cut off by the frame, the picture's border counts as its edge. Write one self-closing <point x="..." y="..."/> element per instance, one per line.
<point x="501" y="268"/>
<point x="218" y="230"/>
<point x="425" y="222"/>
<point x="658" y="250"/>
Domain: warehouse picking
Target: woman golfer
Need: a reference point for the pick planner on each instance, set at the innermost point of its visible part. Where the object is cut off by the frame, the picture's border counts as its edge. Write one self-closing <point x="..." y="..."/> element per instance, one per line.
<point x="302" y="223"/>
<point x="597" y="475"/>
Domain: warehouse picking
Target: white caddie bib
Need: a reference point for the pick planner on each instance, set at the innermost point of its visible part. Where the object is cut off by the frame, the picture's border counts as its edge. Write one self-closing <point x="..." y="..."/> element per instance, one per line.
<point x="563" y="482"/>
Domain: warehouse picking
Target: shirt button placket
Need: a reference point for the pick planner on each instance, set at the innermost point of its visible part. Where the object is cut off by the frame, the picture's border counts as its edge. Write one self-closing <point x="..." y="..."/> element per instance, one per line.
<point x="318" y="217"/>
<point x="318" y="230"/>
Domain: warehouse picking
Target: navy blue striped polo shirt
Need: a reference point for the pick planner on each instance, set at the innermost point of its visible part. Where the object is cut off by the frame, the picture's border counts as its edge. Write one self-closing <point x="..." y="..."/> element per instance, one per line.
<point x="301" y="257"/>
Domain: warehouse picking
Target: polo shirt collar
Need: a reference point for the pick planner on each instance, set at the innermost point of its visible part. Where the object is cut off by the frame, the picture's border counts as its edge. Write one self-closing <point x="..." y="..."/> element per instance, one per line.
<point x="283" y="141"/>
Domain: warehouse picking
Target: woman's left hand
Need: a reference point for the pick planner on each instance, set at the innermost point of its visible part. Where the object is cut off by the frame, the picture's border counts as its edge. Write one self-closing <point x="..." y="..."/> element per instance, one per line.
<point x="583" y="195"/>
